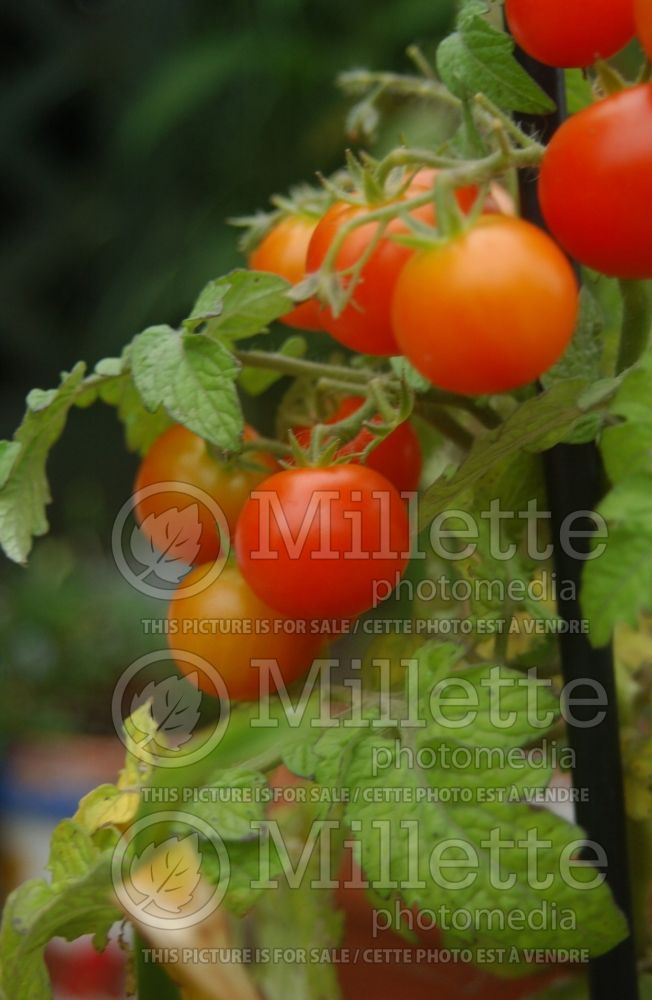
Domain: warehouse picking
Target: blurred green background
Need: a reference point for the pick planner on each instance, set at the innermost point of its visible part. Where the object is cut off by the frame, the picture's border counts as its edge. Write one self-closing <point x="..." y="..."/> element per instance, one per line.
<point x="130" y="130"/>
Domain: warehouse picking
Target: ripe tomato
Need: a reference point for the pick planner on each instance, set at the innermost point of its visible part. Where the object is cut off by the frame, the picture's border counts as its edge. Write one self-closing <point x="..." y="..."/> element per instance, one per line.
<point x="643" y="16"/>
<point x="229" y="627"/>
<point x="570" y="32"/>
<point x="595" y="184"/>
<point x="365" y="324"/>
<point x="283" y="252"/>
<point x="488" y="311"/>
<point x="178" y="522"/>
<point x="397" y="458"/>
<point x="317" y="543"/>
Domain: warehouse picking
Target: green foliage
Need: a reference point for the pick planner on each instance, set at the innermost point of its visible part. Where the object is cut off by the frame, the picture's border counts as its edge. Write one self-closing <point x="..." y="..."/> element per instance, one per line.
<point x="617" y="585"/>
<point x="478" y="58"/>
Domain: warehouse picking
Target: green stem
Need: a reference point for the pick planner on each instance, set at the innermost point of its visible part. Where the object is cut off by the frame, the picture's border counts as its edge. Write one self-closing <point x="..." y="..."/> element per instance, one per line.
<point x="299" y="366"/>
<point x="483" y="414"/>
<point x="637" y="321"/>
<point x="153" y="981"/>
<point x="446" y="424"/>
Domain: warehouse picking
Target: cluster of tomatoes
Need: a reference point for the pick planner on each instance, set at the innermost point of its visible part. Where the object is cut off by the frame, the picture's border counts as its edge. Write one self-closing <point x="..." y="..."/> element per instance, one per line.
<point x="487" y="309"/>
<point x="442" y="307"/>
<point x="595" y="178"/>
<point x="313" y="547"/>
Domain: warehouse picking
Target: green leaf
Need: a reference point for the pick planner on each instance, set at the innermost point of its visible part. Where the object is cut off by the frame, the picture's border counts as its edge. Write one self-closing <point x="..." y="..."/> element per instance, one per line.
<point x="309" y="922"/>
<point x="231" y="803"/>
<point x="81" y="902"/>
<point x="72" y="852"/>
<point x="255" y="381"/>
<point x="239" y="305"/>
<point x="141" y="426"/>
<point x="536" y="424"/>
<point x="409" y="374"/>
<point x="627" y="445"/>
<point x="579" y="93"/>
<point x="9" y="452"/>
<point x="193" y="378"/>
<point x="583" y="355"/>
<point x="479" y="59"/>
<point x="617" y="585"/>
<point x="399" y="845"/>
<point x="25" y="493"/>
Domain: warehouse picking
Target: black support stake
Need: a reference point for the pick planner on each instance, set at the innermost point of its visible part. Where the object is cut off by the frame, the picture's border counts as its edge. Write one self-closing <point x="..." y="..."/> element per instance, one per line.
<point x="574" y="482"/>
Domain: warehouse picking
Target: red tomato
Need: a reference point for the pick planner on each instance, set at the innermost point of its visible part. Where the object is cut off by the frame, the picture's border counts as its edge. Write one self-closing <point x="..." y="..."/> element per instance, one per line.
<point x="318" y="543"/>
<point x="595" y="184"/>
<point x="489" y="311"/>
<point x="570" y="32"/>
<point x="397" y="458"/>
<point x="179" y="521"/>
<point x="283" y="252"/>
<point x="229" y="627"/>
<point x="643" y="15"/>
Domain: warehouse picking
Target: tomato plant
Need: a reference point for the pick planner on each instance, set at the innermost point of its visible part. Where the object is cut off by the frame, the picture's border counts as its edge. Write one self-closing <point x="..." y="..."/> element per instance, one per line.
<point x="603" y="157"/>
<point x="568" y="32"/>
<point x="532" y="399"/>
<point x="488" y="311"/>
<point x="319" y="542"/>
<point x="230" y="628"/>
<point x="283" y="251"/>
<point x="168" y="516"/>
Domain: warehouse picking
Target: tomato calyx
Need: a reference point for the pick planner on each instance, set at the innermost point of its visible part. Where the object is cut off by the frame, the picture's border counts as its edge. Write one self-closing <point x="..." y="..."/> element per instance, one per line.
<point x="324" y="443"/>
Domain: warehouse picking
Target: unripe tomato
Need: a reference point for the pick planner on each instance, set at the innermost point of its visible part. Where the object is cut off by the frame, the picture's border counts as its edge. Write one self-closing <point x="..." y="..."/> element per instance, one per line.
<point x="488" y="311"/>
<point x="323" y="542"/>
<point x="595" y="184"/>
<point x="228" y="626"/>
<point x="643" y="15"/>
<point x="283" y="251"/>
<point x="570" y="32"/>
<point x="397" y="458"/>
<point x="179" y="521"/>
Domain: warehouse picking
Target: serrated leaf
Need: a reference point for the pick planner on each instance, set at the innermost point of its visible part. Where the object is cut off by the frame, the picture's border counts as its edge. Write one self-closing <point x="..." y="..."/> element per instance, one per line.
<point x="231" y="803"/>
<point x="36" y="912"/>
<point x="193" y="378"/>
<point x="255" y="381"/>
<point x="239" y="305"/>
<point x="479" y="59"/>
<point x="141" y="426"/>
<point x="617" y="584"/>
<point x="538" y="423"/>
<point x="463" y="831"/>
<point x="627" y="445"/>
<point x="25" y="493"/>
